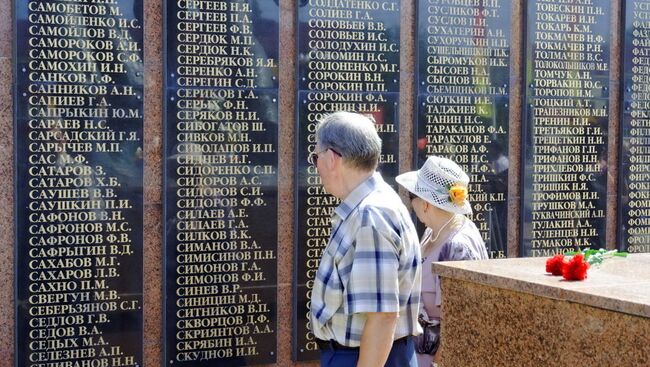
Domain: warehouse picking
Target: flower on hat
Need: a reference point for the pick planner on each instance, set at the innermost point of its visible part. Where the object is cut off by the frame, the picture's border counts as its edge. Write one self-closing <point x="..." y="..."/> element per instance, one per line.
<point x="457" y="194"/>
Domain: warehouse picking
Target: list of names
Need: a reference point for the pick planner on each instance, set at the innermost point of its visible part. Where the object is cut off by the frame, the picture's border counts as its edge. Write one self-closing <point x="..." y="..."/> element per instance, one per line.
<point x="221" y="183"/>
<point x="463" y="75"/>
<point x="79" y="183"/>
<point x="635" y="184"/>
<point x="565" y="147"/>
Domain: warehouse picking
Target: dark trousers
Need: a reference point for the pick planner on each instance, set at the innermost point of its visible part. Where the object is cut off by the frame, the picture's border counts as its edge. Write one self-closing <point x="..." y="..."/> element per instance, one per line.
<point x="402" y="354"/>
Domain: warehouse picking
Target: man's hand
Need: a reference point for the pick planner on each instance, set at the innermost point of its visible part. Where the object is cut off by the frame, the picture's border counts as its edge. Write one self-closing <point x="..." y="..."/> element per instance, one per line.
<point x="377" y="338"/>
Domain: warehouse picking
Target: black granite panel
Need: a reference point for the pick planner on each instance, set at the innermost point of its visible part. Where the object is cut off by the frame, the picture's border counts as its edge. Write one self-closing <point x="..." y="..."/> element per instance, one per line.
<point x="79" y="183"/>
<point x="354" y="49"/>
<point x="463" y="66"/>
<point x="472" y="131"/>
<point x="634" y="173"/>
<point x="221" y="44"/>
<point x="221" y="161"/>
<point x="348" y="60"/>
<point x="565" y="127"/>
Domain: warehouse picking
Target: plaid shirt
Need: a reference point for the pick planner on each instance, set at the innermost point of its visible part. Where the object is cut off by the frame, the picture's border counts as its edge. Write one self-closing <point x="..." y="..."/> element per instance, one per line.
<point x="371" y="264"/>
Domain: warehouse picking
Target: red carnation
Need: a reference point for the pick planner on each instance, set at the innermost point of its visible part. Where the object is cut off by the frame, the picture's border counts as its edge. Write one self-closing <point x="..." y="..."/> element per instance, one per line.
<point x="554" y="265"/>
<point x="576" y="268"/>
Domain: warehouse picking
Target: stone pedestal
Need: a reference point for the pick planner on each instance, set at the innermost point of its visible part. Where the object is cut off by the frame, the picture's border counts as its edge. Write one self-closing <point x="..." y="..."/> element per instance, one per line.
<point x="510" y="313"/>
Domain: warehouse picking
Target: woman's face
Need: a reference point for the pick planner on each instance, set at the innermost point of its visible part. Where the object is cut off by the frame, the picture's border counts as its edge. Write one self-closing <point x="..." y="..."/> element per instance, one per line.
<point x="419" y="206"/>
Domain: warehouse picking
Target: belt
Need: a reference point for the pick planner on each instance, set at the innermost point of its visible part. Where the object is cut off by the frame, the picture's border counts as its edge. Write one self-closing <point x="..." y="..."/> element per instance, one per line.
<point x="334" y="345"/>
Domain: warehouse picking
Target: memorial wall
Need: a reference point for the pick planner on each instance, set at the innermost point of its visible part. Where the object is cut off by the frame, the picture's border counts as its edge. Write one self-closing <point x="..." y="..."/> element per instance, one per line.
<point x="462" y="81"/>
<point x="160" y="205"/>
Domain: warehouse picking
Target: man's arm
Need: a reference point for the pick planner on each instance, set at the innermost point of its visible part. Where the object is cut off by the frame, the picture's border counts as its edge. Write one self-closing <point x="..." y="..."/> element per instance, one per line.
<point x="377" y="338"/>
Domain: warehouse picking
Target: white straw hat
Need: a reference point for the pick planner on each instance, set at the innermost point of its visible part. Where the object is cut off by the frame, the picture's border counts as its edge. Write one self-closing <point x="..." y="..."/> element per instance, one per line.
<point x="440" y="182"/>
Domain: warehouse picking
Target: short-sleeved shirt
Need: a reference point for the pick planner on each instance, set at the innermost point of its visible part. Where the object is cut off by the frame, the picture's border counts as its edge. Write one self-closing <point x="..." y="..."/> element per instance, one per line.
<point x="372" y="263"/>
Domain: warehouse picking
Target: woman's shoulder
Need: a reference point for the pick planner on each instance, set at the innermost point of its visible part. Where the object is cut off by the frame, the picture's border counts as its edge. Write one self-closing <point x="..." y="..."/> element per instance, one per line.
<point x="465" y="244"/>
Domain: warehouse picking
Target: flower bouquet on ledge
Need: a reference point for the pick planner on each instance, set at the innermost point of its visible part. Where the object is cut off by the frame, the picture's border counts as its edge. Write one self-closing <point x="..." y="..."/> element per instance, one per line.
<point x="574" y="265"/>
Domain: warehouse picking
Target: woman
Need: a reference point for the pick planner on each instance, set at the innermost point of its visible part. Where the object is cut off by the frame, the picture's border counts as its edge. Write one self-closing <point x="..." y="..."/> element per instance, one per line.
<point x="438" y="193"/>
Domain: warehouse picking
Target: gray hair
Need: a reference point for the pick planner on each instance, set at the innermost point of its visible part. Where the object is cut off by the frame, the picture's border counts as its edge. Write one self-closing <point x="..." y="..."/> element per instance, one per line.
<point x="354" y="136"/>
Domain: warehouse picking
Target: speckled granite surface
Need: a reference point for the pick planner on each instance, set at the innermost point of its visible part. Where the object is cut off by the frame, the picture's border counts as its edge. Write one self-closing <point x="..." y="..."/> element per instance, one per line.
<point x="153" y="163"/>
<point x="509" y="313"/>
<point x="488" y="326"/>
<point x="620" y="284"/>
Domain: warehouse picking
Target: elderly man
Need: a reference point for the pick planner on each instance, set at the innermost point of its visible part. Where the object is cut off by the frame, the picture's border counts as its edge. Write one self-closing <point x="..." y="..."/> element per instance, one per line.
<point x="366" y="294"/>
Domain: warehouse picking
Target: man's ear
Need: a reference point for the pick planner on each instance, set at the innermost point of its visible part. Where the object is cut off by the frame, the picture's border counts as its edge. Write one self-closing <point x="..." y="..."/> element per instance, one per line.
<point x="332" y="159"/>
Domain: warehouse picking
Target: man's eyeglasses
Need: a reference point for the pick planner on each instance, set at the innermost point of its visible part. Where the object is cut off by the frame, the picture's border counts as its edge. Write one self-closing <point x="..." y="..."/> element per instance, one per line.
<point x="313" y="158"/>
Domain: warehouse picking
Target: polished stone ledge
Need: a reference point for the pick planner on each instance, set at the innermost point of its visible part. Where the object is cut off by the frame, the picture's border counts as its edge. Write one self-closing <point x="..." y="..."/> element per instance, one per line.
<point x="620" y="284"/>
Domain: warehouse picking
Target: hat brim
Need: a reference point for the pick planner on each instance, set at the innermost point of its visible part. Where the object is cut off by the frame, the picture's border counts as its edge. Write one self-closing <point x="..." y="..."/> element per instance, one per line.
<point x="409" y="181"/>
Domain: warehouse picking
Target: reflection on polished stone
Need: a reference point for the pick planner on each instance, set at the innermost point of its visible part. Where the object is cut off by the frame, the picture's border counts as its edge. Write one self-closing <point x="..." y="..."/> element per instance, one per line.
<point x="79" y="178"/>
<point x="565" y="128"/>
<point x="221" y="178"/>
<point x="463" y="91"/>
<point x="634" y="173"/>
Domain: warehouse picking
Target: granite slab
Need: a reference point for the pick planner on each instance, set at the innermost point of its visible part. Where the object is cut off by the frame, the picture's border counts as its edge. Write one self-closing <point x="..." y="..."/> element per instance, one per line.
<point x="620" y="284"/>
